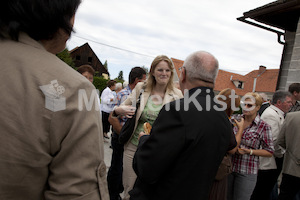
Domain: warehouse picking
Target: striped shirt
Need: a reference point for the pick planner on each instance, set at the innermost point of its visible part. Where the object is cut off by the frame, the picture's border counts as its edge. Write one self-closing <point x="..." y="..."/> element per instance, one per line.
<point x="121" y="97"/>
<point x="295" y="107"/>
<point x="256" y="136"/>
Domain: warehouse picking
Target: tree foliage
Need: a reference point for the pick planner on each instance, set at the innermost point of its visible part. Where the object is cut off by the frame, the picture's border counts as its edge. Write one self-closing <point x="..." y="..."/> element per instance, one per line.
<point x="146" y="69"/>
<point x="66" y="57"/>
<point x="105" y="65"/>
<point x="120" y="77"/>
<point x="100" y="83"/>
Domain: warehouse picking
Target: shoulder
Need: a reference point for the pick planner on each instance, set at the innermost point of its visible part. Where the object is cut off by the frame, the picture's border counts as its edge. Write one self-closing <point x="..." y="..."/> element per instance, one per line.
<point x="177" y="92"/>
<point x="264" y="125"/>
<point x="139" y="86"/>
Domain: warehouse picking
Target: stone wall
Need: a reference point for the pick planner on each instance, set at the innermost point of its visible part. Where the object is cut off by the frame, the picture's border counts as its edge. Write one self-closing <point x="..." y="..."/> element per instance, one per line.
<point x="290" y="63"/>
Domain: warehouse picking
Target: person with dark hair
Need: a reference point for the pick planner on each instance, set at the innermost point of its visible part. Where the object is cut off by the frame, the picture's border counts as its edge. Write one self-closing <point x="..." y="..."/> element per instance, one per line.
<point x="114" y="176"/>
<point x="270" y="167"/>
<point x="107" y="102"/>
<point x="294" y="89"/>
<point x="87" y="71"/>
<point x="46" y="151"/>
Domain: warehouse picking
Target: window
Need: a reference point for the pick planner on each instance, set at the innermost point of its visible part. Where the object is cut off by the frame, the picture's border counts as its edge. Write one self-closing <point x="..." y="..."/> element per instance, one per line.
<point x="240" y="85"/>
<point x="90" y="59"/>
<point x="77" y="57"/>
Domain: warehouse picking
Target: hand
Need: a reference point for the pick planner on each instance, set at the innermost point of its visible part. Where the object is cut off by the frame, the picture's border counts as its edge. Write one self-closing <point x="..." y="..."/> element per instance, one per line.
<point x="127" y="111"/>
<point x="243" y="151"/>
<point x="142" y="134"/>
<point x="240" y="124"/>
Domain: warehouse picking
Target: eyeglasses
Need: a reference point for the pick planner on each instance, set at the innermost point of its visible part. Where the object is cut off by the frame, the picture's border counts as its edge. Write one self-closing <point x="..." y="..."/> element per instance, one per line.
<point x="248" y="105"/>
<point x="180" y="68"/>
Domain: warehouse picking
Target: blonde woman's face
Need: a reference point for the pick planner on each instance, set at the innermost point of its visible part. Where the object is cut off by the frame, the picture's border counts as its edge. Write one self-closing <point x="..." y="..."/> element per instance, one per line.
<point x="162" y="73"/>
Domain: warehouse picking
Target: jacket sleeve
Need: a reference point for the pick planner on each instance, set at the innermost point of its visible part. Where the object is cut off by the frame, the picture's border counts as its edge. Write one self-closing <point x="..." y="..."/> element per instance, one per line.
<point x="158" y="151"/>
<point x="281" y="137"/>
<point x="77" y="169"/>
<point x="105" y="97"/>
<point x="275" y="128"/>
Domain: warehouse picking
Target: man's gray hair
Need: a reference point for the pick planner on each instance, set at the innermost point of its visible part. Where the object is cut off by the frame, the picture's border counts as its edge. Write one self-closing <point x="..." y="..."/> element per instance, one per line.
<point x="118" y="86"/>
<point x="280" y="95"/>
<point x="201" y="65"/>
<point x="263" y="96"/>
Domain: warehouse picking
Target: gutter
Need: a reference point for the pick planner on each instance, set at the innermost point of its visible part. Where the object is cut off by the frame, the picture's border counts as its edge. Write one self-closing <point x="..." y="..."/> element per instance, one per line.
<point x="279" y="33"/>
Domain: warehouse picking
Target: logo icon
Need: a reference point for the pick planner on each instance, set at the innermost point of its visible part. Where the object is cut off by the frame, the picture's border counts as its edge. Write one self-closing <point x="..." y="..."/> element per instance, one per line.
<point x="55" y="101"/>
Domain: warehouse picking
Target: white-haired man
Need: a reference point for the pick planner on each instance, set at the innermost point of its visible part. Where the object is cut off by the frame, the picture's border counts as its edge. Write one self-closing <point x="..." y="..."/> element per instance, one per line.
<point x="181" y="156"/>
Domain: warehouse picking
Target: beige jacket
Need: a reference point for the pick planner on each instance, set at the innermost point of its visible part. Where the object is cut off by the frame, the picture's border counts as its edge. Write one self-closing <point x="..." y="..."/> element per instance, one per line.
<point x="170" y="95"/>
<point x="49" y="149"/>
<point x="289" y="138"/>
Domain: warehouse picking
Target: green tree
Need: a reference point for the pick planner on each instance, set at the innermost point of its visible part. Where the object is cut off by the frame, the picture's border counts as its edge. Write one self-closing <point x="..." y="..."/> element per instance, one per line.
<point x="66" y="57"/>
<point x="105" y="65"/>
<point x="100" y="83"/>
<point x="146" y="69"/>
<point x="120" y="76"/>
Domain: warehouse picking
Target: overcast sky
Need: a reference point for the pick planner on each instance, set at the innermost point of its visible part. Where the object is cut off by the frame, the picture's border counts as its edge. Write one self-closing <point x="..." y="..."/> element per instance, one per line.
<point x="175" y="28"/>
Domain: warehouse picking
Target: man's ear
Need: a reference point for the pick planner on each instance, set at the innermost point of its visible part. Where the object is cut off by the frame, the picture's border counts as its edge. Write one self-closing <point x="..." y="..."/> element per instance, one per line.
<point x="278" y="102"/>
<point x="183" y="75"/>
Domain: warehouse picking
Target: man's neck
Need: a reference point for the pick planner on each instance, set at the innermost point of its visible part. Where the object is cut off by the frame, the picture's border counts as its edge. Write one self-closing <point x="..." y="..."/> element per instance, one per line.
<point x="131" y="86"/>
<point x="278" y="107"/>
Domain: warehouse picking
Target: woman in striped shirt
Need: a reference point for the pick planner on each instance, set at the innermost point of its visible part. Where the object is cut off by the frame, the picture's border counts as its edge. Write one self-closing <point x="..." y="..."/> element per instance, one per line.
<point x="256" y="141"/>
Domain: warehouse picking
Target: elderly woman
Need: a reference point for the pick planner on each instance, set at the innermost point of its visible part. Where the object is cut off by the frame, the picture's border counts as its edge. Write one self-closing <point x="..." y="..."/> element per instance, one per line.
<point x="158" y="90"/>
<point x="256" y="141"/>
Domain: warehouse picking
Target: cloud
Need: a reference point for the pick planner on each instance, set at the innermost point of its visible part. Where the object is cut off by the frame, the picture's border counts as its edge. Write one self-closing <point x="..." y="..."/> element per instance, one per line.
<point x="176" y="29"/>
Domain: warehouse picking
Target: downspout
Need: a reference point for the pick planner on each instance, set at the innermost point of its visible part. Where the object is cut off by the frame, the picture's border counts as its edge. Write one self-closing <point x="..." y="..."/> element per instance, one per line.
<point x="255" y="79"/>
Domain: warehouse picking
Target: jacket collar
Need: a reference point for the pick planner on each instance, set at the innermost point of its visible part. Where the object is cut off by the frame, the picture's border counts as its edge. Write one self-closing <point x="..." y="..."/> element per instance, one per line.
<point x="25" y="39"/>
<point x="203" y="91"/>
<point x="277" y="110"/>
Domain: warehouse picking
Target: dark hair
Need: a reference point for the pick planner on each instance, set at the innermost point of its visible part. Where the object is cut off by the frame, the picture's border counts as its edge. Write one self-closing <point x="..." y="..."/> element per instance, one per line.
<point x="40" y="19"/>
<point x="86" y="68"/>
<point x="280" y="95"/>
<point x="136" y="72"/>
<point x="111" y="83"/>
<point x="294" y="87"/>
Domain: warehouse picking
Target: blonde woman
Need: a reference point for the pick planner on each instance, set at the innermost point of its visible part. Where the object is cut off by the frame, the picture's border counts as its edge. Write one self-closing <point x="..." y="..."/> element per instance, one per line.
<point x="256" y="141"/>
<point x="156" y="92"/>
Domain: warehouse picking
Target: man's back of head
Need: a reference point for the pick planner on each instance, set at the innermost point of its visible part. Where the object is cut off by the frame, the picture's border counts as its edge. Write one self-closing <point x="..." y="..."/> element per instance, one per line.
<point x="200" y="69"/>
<point x="294" y="89"/>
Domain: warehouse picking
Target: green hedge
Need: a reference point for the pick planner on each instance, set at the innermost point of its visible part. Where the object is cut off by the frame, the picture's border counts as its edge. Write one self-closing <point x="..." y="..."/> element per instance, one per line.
<point x="100" y="83"/>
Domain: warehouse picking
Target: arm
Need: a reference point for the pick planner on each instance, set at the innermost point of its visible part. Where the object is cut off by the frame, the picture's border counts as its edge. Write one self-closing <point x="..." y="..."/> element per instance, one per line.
<point x="161" y="148"/>
<point x="106" y="98"/>
<point x="267" y="144"/>
<point x="114" y="121"/>
<point x="76" y="150"/>
<point x="281" y="137"/>
<point x="255" y="152"/>
<point x="126" y="108"/>
<point x="238" y="135"/>
<point x="274" y="122"/>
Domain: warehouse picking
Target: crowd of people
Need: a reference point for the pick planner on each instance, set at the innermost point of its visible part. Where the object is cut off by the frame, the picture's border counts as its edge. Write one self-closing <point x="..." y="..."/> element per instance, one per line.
<point x="200" y="146"/>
